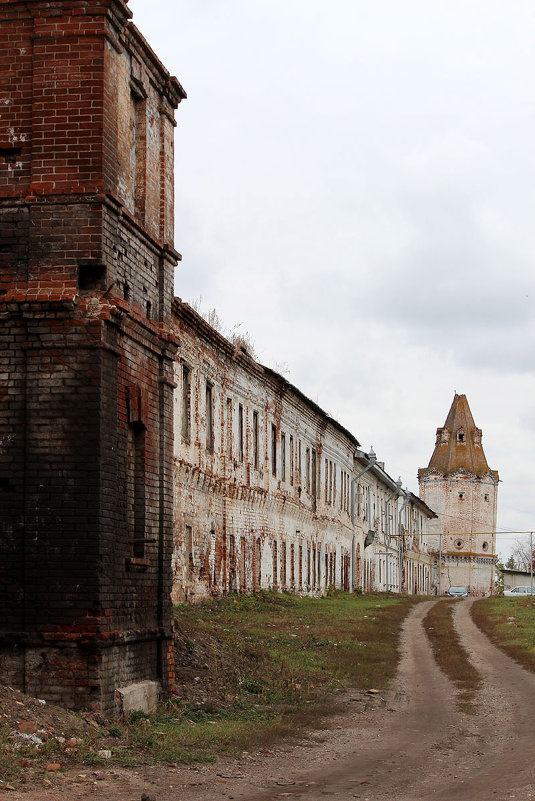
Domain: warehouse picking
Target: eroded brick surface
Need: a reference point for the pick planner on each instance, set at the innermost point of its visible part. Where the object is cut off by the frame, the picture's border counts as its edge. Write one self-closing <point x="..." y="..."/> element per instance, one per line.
<point x="87" y="260"/>
<point x="270" y="492"/>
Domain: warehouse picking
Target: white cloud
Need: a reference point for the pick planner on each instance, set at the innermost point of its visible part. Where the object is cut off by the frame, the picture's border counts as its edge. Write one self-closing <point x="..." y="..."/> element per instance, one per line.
<point x="356" y="184"/>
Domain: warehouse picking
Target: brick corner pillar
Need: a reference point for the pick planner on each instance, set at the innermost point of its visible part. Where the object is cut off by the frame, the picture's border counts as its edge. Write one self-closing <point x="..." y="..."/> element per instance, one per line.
<point x="86" y="354"/>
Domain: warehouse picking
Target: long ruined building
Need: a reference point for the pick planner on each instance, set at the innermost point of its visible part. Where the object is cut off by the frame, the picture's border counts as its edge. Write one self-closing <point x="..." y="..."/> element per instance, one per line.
<point x="144" y="458"/>
<point x="271" y="492"/>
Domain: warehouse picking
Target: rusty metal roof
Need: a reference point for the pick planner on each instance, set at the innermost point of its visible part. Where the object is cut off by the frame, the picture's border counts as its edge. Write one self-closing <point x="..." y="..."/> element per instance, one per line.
<point x="458" y="444"/>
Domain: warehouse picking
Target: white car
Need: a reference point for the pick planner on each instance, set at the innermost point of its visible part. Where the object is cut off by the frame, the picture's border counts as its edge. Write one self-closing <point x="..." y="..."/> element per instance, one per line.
<point x="520" y="592"/>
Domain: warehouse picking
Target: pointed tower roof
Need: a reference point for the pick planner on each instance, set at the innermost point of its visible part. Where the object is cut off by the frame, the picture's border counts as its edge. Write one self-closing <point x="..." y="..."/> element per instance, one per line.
<point x="458" y="444"/>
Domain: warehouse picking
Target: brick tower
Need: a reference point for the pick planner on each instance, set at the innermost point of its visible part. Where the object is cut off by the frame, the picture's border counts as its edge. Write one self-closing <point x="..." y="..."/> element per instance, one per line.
<point x="86" y="284"/>
<point x="461" y="488"/>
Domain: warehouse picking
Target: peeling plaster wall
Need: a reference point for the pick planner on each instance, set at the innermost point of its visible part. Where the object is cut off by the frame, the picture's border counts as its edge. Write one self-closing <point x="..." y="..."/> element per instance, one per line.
<point x="246" y="518"/>
<point x="466" y="506"/>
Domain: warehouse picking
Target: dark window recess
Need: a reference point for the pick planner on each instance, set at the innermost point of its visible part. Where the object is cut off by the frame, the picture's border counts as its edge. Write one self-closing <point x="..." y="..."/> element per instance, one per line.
<point x="255" y="440"/>
<point x="209" y="418"/>
<point x="126" y="291"/>
<point x="189" y="548"/>
<point x="9" y="155"/>
<point x="273" y="449"/>
<point x="240" y="430"/>
<point x="186" y="401"/>
<point x="149" y="310"/>
<point x="91" y="276"/>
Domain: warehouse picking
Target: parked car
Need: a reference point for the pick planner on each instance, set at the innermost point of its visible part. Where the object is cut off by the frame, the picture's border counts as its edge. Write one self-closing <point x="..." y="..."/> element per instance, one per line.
<point x="457" y="592"/>
<point x="519" y="591"/>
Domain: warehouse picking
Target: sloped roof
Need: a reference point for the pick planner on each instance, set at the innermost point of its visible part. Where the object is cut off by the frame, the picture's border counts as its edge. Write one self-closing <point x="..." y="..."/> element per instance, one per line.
<point x="458" y="444"/>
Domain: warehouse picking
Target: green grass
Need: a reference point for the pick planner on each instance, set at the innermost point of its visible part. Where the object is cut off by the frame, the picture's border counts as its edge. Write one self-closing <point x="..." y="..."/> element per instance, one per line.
<point x="250" y="671"/>
<point x="451" y="656"/>
<point x="267" y="666"/>
<point x="510" y="624"/>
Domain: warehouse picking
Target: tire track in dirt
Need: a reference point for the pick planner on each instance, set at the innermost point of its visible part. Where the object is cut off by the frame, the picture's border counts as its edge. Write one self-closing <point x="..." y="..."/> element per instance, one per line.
<point x="417" y="746"/>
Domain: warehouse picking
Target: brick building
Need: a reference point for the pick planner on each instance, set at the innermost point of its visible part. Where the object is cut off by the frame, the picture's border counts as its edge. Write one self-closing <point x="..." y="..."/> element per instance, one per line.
<point x="86" y="285"/>
<point x="271" y="492"/>
<point x="459" y="485"/>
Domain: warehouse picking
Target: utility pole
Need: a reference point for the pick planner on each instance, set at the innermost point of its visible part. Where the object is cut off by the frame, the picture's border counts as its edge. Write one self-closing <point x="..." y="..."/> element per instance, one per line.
<point x="531" y="561"/>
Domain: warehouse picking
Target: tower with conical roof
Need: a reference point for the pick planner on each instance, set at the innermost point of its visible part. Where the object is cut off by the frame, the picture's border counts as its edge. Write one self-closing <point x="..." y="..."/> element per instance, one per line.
<point x="461" y="488"/>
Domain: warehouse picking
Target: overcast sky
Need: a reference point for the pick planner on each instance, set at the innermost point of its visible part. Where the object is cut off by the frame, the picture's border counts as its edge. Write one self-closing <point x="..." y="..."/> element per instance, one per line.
<point x="355" y="185"/>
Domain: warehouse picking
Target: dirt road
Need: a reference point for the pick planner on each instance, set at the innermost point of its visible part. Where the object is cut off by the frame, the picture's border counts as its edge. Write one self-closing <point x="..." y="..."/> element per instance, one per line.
<point x="414" y="745"/>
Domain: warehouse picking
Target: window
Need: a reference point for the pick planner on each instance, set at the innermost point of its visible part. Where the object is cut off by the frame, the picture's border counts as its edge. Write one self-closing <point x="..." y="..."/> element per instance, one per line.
<point x="255" y="440"/>
<point x="273" y="449"/>
<point x="461" y="495"/>
<point x="243" y="575"/>
<point x="275" y="564"/>
<point x="186" y="403"/>
<point x="240" y="430"/>
<point x="307" y="469"/>
<point x="291" y="460"/>
<point x="283" y="457"/>
<point x="326" y="481"/>
<point x="209" y="417"/>
<point x="229" y="427"/>
<point x="334" y="484"/>
<point x="299" y="460"/>
<point x="189" y="548"/>
<point x="313" y="468"/>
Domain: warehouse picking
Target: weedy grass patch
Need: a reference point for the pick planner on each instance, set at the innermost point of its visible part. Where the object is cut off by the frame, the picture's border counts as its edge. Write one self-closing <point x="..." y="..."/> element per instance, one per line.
<point x="450" y="655"/>
<point x="250" y="670"/>
<point x="510" y="624"/>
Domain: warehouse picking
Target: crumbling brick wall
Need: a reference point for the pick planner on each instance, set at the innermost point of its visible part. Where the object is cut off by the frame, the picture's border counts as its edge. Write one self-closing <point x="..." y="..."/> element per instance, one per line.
<point x="259" y="496"/>
<point x="87" y="260"/>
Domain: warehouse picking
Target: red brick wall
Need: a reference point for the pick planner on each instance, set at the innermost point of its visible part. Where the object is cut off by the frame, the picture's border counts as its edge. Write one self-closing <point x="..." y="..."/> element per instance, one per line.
<point x="86" y="287"/>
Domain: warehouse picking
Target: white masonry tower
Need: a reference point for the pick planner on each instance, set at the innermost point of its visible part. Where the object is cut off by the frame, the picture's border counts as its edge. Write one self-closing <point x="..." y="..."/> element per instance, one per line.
<point x="461" y="488"/>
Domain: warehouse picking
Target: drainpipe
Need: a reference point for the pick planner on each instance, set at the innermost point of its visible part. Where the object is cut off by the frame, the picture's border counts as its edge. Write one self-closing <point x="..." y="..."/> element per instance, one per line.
<point x="372" y="458"/>
<point x="395" y="494"/>
<point x="400" y="552"/>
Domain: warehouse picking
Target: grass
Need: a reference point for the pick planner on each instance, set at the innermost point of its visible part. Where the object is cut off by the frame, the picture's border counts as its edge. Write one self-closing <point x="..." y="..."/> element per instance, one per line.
<point x="451" y="656"/>
<point x="510" y="624"/>
<point x="250" y="671"/>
